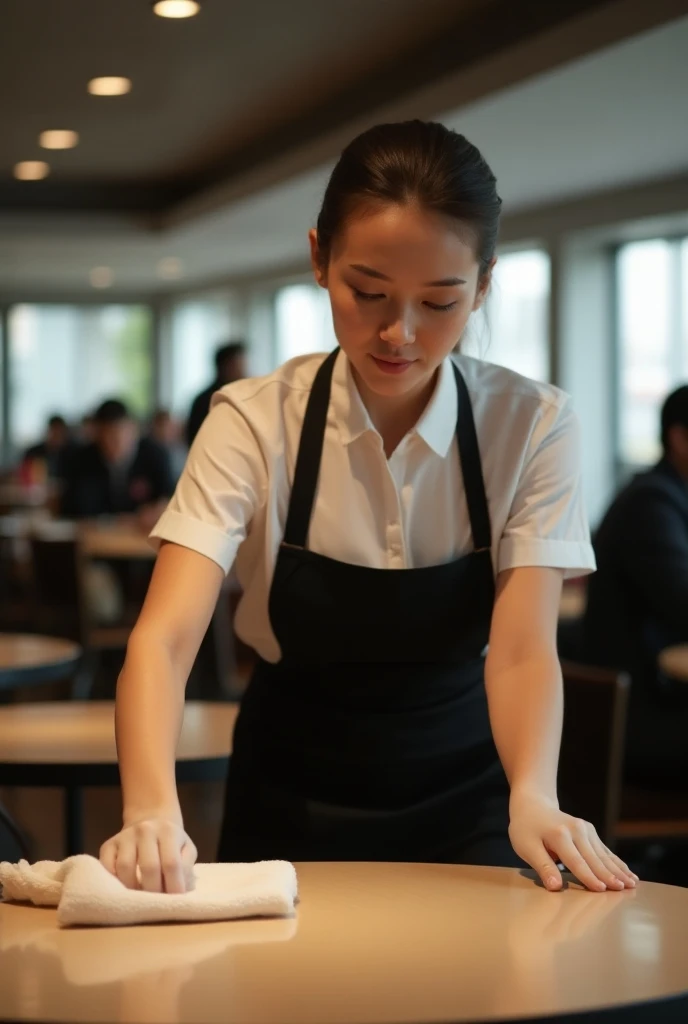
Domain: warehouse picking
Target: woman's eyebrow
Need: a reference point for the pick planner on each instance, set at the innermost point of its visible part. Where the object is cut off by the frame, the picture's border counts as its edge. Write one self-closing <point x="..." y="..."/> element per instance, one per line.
<point x="446" y="282"/>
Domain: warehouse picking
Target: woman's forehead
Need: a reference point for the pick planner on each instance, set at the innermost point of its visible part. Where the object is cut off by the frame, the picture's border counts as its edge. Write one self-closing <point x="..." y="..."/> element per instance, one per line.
<point x="399" y="240"/>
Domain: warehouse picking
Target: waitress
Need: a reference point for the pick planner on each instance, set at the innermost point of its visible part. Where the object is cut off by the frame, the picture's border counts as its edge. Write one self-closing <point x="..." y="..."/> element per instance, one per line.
<point x="393" y="514"/>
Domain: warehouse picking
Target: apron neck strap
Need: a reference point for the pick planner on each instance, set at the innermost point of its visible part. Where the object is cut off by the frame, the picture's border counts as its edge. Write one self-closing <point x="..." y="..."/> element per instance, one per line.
<point x="309" y="455"/>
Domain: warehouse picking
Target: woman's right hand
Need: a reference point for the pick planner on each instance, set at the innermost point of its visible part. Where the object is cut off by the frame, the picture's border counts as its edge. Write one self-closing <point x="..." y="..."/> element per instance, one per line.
<point x="154" y="854"/>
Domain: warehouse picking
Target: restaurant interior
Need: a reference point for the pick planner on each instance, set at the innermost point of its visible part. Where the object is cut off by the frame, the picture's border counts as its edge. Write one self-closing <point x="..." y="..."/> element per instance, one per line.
<point x="160" y="167"/>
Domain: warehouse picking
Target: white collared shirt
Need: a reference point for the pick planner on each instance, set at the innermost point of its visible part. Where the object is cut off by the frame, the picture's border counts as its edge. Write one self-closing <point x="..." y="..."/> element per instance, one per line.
<point x="406" y="512"/>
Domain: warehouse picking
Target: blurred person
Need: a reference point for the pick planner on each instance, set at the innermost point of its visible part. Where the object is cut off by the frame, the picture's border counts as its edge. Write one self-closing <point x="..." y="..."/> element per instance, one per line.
<point x="166" y="431"/>
<point x="53" y="451"/>
<point x="638" y="601"/>
<point x="119" y="472"/>
<point x="230" y="365"/>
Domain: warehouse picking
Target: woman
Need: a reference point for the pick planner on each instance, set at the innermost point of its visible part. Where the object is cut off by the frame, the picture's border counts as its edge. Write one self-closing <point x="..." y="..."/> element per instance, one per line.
<point x="365" y="733"/>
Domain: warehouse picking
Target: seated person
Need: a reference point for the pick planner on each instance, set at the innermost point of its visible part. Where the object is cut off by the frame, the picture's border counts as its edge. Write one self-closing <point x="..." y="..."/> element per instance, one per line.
<point x="119" y="472"/>
<point x="167" y="432"/>
<point x="54" y="450"/>
<point x="638" y="601"/>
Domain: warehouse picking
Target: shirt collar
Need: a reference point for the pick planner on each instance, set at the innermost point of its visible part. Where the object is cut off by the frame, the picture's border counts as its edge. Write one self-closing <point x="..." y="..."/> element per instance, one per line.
<point x="436" y="426"/>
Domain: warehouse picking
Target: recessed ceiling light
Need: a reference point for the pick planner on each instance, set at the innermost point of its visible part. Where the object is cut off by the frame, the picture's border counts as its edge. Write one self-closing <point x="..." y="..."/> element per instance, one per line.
<point x="101" y="277"/>
<point x="58" y="139"/>
<point x="109" y="86"/>
<point x="31" y="170"/>
<point x="176" y="8"/>
<point x="170" y="268"/>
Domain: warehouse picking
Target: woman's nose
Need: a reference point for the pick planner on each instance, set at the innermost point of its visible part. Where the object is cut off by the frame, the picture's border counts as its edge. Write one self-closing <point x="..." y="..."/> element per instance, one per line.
<point x="401" y="330"/>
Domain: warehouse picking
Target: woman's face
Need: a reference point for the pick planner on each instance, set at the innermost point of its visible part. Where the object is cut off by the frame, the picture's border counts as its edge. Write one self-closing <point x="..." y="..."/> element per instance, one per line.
<point x="402" y="283"/>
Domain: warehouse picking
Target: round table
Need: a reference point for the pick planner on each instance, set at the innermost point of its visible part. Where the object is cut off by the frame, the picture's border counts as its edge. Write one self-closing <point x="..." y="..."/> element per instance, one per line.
<point x="26" y="660"/>
<point x="673" y="661"/>
<point x="71" y="744"/>
<point x="369" y="944"/>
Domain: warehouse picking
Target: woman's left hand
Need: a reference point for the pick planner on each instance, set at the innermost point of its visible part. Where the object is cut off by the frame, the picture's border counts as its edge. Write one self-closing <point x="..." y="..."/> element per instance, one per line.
<point x="542" y="835"/>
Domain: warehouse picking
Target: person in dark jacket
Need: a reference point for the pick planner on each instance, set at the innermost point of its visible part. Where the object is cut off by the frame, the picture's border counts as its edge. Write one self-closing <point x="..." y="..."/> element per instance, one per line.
<point x="638" y="601"/>
<point x="120" y="472"/>
<point x="54" y="449"/>
<point x="230" y="365"/>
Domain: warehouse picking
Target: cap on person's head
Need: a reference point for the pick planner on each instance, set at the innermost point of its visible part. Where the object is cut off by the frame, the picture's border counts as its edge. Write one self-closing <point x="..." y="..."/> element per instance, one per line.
<point x="232" y="350"/>
<point x="674" y="413"/>
<point x="111" y="411"/>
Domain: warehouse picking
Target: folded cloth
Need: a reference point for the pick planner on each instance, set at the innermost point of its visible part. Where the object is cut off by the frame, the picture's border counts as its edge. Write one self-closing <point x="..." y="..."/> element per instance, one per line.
<point x="85" y="892"/>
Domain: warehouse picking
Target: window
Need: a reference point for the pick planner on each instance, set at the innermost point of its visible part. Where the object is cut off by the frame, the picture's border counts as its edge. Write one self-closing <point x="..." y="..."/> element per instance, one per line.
<point x="66" y="359"/>
<point x="303" y="321"/>
<point x="513" y="330"/>
<point x="198" y="328"/>
<point x="652" y="341"/>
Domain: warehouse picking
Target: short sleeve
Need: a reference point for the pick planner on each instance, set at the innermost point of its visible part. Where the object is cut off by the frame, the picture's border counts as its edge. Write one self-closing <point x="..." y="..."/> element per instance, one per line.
<point x="547" y="524"/>
<point x="223" y="483"/>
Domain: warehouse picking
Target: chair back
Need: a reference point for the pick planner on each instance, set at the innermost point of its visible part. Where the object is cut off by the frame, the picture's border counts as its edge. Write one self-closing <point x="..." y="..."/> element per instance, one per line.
<point x="592" y="748"/>
<point x="14" y="845"/>
<point x="59" y="602"/>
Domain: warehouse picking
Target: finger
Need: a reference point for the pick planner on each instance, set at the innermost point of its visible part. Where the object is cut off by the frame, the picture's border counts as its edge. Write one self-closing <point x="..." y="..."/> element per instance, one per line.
<point x="541" y="862"/>
<point x="149" y="858"/>
<point x="605" y="871"/>
<point x="621" y="864"/>
<point x="613" y="864"/>
<point x="125" y="862"/>
<point x="565" y="848"/>
<point x="189" y="857"/>
<point x="108" y="855"/>
<point x="173" y="876"/>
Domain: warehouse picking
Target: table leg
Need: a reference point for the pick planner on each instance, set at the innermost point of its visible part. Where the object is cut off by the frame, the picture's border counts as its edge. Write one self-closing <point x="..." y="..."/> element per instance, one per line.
<point x="74" y="839"/>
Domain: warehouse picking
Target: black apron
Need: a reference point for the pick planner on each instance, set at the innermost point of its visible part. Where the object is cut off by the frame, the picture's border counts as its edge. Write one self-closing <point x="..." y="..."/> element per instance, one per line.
<point x="370" y="739"/>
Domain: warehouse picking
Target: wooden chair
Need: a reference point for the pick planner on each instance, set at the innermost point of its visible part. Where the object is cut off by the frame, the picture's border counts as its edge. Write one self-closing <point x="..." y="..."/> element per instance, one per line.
<point x="61" y="607"/>
<point x="591" y="761"/>
<point x="591" y="765"/>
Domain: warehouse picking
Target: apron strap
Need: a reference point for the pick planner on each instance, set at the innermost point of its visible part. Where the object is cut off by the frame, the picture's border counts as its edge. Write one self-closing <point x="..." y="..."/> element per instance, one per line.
<point x="310" y="453"/>
<point x="471" y="467"/>
<point x="309" y="456"/>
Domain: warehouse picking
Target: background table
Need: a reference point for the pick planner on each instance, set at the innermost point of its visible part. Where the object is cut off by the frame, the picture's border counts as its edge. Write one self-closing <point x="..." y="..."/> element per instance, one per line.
<point x="71" y="744"/>
<point x="116" y="540"/>
<point x="674" y="662"/>
<point x="370" y="943"/>
<point x="26" y="660"/>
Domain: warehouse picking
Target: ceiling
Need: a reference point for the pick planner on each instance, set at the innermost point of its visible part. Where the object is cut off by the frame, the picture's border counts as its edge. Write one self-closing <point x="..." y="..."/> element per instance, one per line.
<point x="601" y="120"/>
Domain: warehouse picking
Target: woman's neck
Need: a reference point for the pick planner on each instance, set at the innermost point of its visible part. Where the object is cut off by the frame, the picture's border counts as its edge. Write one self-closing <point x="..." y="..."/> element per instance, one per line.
<point x="394" y="417"/>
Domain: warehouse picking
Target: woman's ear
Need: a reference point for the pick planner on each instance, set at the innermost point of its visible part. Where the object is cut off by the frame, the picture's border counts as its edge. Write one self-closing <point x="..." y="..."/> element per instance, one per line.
<point x="484" y="285"/>
<point x="316" y="261"/>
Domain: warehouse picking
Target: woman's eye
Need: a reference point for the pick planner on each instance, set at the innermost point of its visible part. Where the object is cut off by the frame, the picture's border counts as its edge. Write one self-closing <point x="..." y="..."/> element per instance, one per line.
<point x="367" y="296"/>
<point x="441" y="309"/>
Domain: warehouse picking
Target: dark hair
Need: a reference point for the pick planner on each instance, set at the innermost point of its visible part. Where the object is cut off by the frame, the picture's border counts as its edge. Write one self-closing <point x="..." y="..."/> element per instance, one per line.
<point x="230" y="351"/>
<point x="57" y="421"/>
<point x="414" y="161"/>
<point x="674" y="413"/>
<point x="111" y="411"/>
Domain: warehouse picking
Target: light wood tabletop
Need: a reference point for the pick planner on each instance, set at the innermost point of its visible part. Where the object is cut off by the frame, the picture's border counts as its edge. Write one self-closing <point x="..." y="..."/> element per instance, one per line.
<point x="82" y="733"/>
<point x="572" y="603"/>
<point x="370" y="943"/>
<point x="674" y="662"/>
<point x="27" y="659"/>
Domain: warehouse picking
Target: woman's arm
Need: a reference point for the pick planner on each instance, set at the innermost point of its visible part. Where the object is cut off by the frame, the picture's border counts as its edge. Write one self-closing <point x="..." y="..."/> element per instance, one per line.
<point x="150" y="691"/>
<point x="524" y="691"/>
<point x="149" y="711"/>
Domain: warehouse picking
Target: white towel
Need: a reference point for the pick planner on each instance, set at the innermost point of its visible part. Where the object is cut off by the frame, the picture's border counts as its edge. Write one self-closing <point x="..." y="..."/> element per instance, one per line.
<point x="85" y="892"/>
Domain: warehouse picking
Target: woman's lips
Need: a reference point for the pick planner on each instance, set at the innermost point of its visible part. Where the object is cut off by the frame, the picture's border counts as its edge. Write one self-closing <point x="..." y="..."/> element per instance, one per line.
<point x="387" y="366"/>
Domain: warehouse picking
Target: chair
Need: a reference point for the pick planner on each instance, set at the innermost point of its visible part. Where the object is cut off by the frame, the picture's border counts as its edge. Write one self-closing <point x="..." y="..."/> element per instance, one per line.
<point x="591" y="760"/>
<point x="61" y="607"/>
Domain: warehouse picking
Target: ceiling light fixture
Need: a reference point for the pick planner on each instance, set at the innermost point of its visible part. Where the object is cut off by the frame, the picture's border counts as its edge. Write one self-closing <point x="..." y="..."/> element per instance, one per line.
<point x="58" y="139"/>
<point x="101" y="277"/>
<point x="31" y="170"/>
<point x="176" y="8"/>
<point x="170" y="268"/>
<point x="109" y="86"/>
